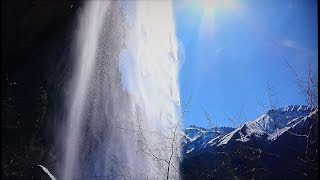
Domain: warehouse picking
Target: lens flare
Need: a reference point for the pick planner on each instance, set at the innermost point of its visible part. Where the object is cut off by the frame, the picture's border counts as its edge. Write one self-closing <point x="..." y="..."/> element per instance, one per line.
<point x="210" y="11"/>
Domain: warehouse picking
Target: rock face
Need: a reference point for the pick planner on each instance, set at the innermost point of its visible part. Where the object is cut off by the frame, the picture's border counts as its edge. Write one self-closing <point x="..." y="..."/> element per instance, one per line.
<point x="281" y="143"/>
<point x="35" y="45"/>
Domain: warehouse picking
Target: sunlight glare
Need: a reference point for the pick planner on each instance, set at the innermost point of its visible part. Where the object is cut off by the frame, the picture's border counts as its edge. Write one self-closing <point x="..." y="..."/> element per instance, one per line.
<point x="211" y="10"/>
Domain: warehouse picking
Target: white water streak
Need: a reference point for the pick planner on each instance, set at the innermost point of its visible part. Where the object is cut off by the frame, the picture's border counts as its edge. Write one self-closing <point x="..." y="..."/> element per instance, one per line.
<point x="100" y="109"/>
<point x="86" y="46"/>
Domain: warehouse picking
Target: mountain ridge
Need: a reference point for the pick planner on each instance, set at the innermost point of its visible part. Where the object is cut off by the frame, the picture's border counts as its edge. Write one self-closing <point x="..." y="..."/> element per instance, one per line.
<point x="271" y="146"/>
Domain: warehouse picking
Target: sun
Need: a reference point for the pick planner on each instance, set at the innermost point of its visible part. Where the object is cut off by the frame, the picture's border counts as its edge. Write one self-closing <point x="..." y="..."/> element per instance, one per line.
<point x="211" y="11"/>
<point x="209" y="6"/>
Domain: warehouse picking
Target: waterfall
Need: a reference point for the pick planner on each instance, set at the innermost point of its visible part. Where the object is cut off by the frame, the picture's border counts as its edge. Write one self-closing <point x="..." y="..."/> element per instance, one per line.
<point x="122" y="119"/>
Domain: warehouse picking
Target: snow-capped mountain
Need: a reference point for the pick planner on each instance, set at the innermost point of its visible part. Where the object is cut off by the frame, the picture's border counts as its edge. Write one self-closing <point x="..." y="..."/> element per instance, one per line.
<point x="272" y="146"/>
<point x="267" y="127"/>
<point x="271" y="125"/>
<point x="197" y="138"/>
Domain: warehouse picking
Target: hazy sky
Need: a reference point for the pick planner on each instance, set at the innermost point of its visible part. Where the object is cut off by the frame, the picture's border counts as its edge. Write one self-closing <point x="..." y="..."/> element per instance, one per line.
<point x="231" y="49"/>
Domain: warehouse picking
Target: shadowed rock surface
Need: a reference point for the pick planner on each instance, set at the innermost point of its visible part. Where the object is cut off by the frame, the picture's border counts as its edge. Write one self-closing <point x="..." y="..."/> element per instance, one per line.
<point x="35" y="41"/>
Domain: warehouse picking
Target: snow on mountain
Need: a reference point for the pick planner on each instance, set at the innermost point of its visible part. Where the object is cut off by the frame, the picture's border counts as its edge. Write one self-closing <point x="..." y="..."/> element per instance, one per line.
<point x="267" y="127"/>
<point x="272" y="146"/>
<point x="197" y="138"/>
<point x="271" y="125"/>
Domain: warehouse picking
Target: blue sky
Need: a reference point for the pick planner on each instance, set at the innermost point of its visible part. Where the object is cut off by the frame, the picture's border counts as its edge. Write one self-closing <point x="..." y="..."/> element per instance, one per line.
<point x="231" y="51"/>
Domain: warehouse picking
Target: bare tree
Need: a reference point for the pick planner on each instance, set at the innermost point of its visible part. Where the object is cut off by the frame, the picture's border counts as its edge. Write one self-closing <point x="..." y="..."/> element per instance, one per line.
<point x="309" y="88"/>
<point x="237" y="118"/>
<point x="209" y="119"/>
<point x="308" y="85"/>
<point x="172" y="135"/>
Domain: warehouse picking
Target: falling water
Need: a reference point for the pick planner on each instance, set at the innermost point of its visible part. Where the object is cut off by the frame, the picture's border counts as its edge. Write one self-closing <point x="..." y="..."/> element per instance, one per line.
<point x="122" y="114"/>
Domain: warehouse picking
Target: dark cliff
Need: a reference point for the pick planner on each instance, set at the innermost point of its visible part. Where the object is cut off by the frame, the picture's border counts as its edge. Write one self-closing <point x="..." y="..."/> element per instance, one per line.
<point x="36" y="37"/>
